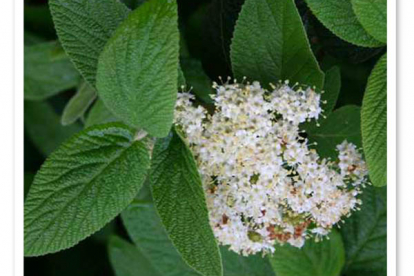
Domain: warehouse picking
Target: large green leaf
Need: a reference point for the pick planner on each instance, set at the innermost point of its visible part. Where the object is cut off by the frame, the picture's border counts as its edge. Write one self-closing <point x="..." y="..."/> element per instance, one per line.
<point x="138" y="69"/>
<point x="99" y="114"/>
<point x="270" y="44"/>
<point x="84" y="184"/>
<point x="128" y="260"/>
<point x="147" y="232"/>
<point x="365" y="235"/>
<point x="338" y="16"/>
<point x="84" y="27"/>
<point x="47" y="71"/>
<point x="78" y="104"/>
<point x="179" y="198"/>
<point x="237" y="265"/>
<point x="374" y="123"/>
<point x="324" y="258"/>
<point x="42" y="124"/>
<point x="372" y="14"/>
<point x="343" y="124"/>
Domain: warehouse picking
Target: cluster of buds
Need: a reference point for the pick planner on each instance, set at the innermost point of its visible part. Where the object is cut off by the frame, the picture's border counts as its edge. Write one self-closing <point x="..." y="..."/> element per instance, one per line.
<point x="264" y="183"/>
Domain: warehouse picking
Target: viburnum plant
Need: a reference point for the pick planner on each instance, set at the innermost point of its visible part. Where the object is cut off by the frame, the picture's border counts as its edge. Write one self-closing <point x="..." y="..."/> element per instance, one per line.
<point x="274" y="170"/>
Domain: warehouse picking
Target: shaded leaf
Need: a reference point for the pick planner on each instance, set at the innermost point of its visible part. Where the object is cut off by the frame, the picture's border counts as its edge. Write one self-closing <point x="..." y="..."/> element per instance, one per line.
<point x="332" y="86"/>
<point x="374" y="123"/>
<point x="84" y="184"/>
<point x="138" y="69"/>
<point x="343" y="124"/>
<point x="179" y="198"/>
<point x="44" y="128"/>
<point x="270" y="44"/>
<point x="365" y="235"/>
<point x="99" y="114"/>
<point x="78" y="104"/>
<point x="324" y="258"/>
<point x="128" y="260"/>
<point x="197" y="79"/>
<point x="47" y="71"/>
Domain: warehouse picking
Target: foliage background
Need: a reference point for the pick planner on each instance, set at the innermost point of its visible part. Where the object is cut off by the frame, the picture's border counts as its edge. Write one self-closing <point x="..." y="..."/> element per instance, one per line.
<point x="206" y="27"/>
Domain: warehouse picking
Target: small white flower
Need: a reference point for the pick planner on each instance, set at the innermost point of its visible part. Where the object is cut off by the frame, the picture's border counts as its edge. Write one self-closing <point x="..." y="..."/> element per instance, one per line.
<point x="263" y="184"/>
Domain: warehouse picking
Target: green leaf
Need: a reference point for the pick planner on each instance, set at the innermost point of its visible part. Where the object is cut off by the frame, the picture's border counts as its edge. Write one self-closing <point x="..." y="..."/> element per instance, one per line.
<point x="47" y="71"/>
<point x="138" y="69"/>
<point x="84" y="27"/>
<point x="147" y="232"/>
<point x="324" y="258"/>
<point x="196" y="79"/>
<point x="84" y="184"/>
<point x="99" y="114"/>
<point x="339" y="18"/>
<point x="180" y="201"/>
<point x="374" y="123"/>
<point x="365" y="235"/>
<point x="43" y="127"/>
<point x="237" y="265"/>
<point x="343" y="124"/>
<point x="332" y="86"/>
<point x="372" y="14"/>
<point x="78" y="104"/>
<point x="128" y="260"/>
<point x="270" y="44"/>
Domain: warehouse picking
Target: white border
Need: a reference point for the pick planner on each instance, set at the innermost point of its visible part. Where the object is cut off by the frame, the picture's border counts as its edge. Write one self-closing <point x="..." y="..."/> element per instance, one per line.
<point x="11" y="45"/>
<point x="391" y="139"/>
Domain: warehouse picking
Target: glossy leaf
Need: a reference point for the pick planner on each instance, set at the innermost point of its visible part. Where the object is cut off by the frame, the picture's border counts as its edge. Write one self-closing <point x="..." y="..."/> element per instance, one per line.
<point x="78" y="104"/>
<point x="339" y="17"/>
<point x="324" y="258"/>
<point x="372" y="14"/>
<point x="365" y="235"/>
<point x="374" y="123"/>
<point x="270" y="44"/>
<point x="84" y="184"/>
<point x="84" y="27"/>
<point x="179" y="198"/>
<point x="138" y="69"/>
<point x="47" y="71"/>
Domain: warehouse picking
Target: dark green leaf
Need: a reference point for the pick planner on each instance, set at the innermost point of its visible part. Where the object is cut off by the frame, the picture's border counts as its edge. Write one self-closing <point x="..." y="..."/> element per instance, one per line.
<point x="365" y="235"/>
<point x="84" y="184"/>
<point x="270" y="44"/>
<point x="147" y="232"/>
<point x="128" y="260"/>
<point x="47" y="71"/>
<point x="237" y="265"/>
<point x="343" y="124"/>
<point x="44" y="128"/>
<point x="138" y="69"/>
<point x="374" y="123"/>
<point x="78" y="104"/>
<point x="331" y="87"/>
<point x="324" y="258"/>
<point x="196" y="79"/>
<point x="99" y="114"/>
<point x="338" y="16"/>
<point x="372" y="14"/>
<point x="84" y="27"/>
<point x="180" y="202"/>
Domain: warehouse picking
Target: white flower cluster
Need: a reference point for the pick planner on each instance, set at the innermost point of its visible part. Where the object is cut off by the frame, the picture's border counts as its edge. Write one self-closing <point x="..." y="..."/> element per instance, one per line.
<point x="263" y="183"/>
